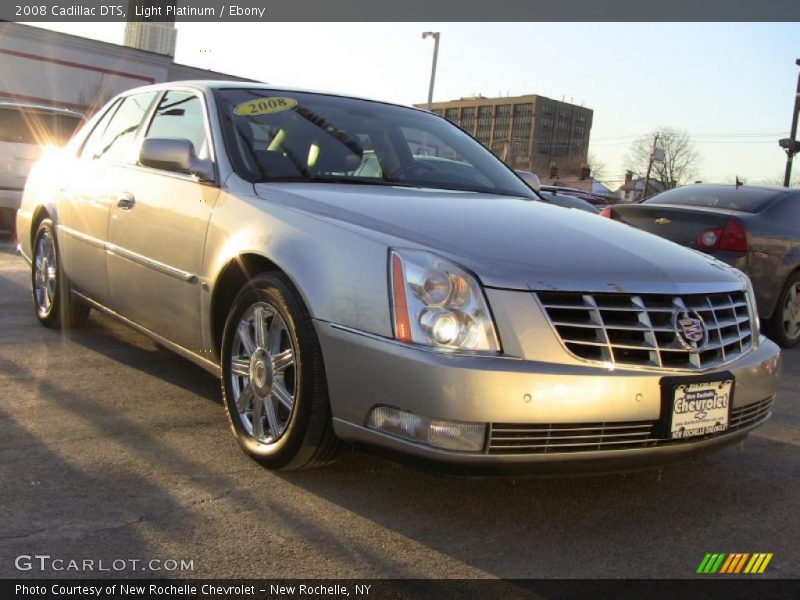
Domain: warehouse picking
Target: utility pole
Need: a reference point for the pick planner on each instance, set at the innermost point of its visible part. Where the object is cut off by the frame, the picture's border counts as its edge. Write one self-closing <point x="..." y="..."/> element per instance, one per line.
<point x="791" y="145"/>
<point x="435" y="36"/>
<point x="649" y="167"/>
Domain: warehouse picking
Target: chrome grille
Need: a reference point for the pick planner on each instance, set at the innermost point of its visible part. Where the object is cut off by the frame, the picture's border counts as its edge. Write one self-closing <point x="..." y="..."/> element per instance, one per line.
<point x="567" y="437"/>
<point x="630" y="329"/>
<point x="546" y="438"/>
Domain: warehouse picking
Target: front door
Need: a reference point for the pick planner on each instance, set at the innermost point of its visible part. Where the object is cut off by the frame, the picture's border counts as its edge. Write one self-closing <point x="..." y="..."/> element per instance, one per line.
<point x="157" y="231"/>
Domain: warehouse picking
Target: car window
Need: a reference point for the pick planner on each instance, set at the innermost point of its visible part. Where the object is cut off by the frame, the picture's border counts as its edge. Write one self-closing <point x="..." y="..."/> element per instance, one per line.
<point x="92" y="141"/>
<point x="113" y="137"/>
<point x="38" y="127"/>
<point x="744" y="198"/>
<point x="180" y="115"/>
<point x="298" y="136"/>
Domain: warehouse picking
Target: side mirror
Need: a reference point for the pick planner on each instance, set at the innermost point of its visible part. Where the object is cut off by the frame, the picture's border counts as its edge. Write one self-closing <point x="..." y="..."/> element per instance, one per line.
<point x="175" y="154"/>
<point x="531" y="179"/>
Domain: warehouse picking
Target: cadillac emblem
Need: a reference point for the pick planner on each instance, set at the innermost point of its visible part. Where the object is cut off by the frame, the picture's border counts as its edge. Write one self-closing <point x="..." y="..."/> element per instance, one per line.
<point x="690" y="330"/>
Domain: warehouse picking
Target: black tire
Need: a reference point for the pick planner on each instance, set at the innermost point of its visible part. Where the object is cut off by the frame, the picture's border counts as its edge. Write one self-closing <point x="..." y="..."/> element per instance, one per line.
<point x="776" y="328"/>
<point x="62" y="311"/>
<point x="307" y="440"/>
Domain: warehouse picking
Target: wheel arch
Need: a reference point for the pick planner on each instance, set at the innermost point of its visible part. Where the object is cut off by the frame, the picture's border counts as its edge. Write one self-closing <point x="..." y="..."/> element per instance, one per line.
<point x="788" y="266"/>
<point x="232" y="277"/>
<point x="40" y="213"/>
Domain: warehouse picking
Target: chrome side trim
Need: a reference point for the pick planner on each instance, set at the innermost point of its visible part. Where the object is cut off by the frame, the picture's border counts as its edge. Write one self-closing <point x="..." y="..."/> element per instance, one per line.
<point x="129" y="255"/>
<point x="87" y="239"/>
<point x="149" y="262"/>
<point x="204" y="363"/>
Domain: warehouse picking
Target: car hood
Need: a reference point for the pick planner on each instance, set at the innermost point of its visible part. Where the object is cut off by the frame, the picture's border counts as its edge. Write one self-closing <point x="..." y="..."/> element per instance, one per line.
<point x="512" y="242"/>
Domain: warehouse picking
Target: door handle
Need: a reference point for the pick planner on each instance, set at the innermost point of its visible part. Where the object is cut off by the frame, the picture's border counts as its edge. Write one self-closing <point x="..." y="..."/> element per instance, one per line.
<point x="126" y="201"/>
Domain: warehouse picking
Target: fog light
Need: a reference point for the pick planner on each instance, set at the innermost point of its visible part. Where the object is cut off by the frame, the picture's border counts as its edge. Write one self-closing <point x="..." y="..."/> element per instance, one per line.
<point x="447" y="435"/>
<point x="397" y="422"/>
<point x="450" y="435"/>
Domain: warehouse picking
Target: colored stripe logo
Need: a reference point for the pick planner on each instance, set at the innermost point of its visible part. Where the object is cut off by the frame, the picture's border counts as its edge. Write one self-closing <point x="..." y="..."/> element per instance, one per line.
<point x="734" y="563"/>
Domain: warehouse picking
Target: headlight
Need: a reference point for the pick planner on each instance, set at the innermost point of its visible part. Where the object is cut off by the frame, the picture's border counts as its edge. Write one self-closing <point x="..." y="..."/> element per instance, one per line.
<point x="755" y="322"/>
<point x="438" y="304"/>
<point x="750" y="295"/>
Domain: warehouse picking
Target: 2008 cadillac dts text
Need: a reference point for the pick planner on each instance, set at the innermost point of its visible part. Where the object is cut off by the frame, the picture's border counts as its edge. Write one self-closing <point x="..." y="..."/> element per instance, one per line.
<point x="356" y="271"/>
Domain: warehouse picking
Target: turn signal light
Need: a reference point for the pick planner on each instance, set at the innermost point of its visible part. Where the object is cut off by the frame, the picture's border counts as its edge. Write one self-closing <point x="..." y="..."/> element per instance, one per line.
<point x="734" y="237"/>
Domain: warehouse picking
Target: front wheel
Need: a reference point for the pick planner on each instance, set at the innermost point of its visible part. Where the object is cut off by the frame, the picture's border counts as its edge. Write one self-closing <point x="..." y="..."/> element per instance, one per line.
<point x="273" y="378"/>
<point x="784" y="326"/>
<point x="52" y="300"/>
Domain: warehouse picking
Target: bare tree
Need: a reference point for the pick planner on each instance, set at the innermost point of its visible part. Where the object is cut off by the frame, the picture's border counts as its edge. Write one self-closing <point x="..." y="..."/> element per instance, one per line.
<point x="597" y="166"/>
<point x="681" y="158"/>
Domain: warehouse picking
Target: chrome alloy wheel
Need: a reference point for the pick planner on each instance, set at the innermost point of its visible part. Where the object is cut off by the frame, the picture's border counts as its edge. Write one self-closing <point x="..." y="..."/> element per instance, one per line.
<point x="262" y="372"/>
<point x="45" y="271"/>
<point x="791" y="312"/>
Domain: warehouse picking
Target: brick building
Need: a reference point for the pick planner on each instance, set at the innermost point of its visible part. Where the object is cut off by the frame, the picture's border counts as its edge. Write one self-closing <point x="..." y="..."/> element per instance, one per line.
<point x="528" y="132"/>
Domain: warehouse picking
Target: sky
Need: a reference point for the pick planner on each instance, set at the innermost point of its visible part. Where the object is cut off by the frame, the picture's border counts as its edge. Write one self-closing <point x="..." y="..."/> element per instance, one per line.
<point x="731" y="86"/>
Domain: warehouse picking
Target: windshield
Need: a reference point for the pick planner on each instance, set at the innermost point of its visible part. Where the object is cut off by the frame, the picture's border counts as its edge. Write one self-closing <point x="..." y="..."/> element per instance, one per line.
<point x="291" y="136"/>
<point x="745" y="199"/>
<point x="41" y="128"/>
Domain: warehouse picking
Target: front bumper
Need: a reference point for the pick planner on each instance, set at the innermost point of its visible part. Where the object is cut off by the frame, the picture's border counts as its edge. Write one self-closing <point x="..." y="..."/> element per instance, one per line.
<point x="365" y="371"/>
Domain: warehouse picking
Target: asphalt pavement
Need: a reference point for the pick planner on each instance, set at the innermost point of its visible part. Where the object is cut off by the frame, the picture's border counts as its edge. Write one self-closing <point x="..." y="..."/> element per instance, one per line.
<point x="113" y="448"/>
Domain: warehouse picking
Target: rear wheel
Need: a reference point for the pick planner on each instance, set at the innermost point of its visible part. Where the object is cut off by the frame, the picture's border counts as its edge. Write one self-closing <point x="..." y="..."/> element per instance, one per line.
<point x="784" y="326"/>
<point x="273" y="378"/>
<point x="54" y="305"/>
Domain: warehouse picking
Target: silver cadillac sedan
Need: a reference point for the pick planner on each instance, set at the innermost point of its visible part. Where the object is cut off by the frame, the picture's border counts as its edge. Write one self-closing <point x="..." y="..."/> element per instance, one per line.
<point x="422" y="304"/>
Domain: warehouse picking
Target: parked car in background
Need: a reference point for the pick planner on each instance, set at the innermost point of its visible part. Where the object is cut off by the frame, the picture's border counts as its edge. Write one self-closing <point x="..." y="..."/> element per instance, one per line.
<point x="436" y="313"/>
<point x="25" y="130"/>
<point x="555" y="198"/>
<point x="594" y="199"/>
<point x="561" y="196"/>
<point x="568" y="201"/>
<point x="753" y="228"/>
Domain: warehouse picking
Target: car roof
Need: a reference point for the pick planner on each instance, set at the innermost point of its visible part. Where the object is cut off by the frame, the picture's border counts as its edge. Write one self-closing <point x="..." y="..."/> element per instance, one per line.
<point x="728" y="186"/>
<point x="41" y="107"/>
<point x="209" y="85"/>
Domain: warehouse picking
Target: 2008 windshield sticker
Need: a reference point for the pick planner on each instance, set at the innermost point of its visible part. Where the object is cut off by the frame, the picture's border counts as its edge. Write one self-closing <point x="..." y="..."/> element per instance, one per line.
<point x="265" y="106"/>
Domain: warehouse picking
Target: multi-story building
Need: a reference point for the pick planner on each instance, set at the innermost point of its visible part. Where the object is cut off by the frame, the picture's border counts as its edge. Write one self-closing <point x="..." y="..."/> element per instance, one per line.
<point x="154" y="34"/>
<point x="528" y="132"/>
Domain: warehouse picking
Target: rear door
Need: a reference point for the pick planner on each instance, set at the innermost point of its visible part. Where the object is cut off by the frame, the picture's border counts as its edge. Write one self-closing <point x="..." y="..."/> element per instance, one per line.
<point x="158" y="229"/>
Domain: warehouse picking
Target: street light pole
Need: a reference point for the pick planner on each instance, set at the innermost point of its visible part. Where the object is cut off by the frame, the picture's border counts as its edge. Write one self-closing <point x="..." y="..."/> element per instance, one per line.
<point x="792" y="149"/>
<point x="435" y="36"/>
<point x="649" y="167"/>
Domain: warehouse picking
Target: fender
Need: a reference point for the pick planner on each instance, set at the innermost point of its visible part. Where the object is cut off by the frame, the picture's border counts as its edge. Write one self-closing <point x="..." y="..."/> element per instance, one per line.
<point x="349" y="289"/>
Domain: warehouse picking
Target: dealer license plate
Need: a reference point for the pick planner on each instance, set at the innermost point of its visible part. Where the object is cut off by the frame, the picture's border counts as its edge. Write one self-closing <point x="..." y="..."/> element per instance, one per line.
<point x="701" y="408"/>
